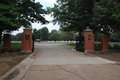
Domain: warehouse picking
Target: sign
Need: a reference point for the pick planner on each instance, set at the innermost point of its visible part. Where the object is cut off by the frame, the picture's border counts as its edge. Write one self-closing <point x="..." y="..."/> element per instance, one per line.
<point x="27" y="36"/>
<point x="89" y="37"/>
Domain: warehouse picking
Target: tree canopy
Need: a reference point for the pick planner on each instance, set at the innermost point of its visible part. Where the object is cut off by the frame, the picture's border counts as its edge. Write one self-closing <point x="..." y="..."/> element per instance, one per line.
<point x="42" y="33"/>
<point x="73" y="15"/>
<point x="100" y="15"/>
<point x="54" y="35"/>
<point x="17" y="13"/>
<point x="107" y="16"/>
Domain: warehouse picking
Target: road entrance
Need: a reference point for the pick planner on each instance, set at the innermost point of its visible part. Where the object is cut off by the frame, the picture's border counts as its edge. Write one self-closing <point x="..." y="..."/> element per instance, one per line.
<point x="59" y="62"/>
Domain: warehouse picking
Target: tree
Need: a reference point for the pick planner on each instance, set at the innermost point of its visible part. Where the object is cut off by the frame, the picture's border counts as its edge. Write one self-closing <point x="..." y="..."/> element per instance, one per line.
<point x="67" y="36"/>
<point x="35" y="34"/>
<point x="74" y="36"/>
<point x="45" y="33"/>
<point x="8" y="16"/>
<point x="73" y="15"/>
<point x="54" y="31"/>
<point x="18" y="37"/>
<point x="17" y="13"/>
<point x="54" y="35"/>
<point x="114" y="37"/>
<point x="107" y="16"/>
<point x="41" y="33"/>
<point x="13" y="38"/>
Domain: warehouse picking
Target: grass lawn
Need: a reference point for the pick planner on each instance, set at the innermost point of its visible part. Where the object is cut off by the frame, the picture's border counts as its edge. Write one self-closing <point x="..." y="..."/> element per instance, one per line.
<point x="114" y="47"/>
<point x="74" y="45"/>
<point x="17" y="46"/>
<point x="1" y="45"/>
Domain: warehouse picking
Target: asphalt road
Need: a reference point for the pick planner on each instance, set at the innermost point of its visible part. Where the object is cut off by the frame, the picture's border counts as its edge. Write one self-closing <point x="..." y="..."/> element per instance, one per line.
<point x="60" y="62"/>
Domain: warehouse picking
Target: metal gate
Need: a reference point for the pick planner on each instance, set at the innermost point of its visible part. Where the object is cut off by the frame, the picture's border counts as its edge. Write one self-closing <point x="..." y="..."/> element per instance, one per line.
<point x="33" y="43"/>
<point x="80" y="43"/>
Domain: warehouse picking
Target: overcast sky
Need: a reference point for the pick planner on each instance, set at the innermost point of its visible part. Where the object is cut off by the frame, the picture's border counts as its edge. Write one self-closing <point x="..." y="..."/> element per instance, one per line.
<point x="50" y="26"/>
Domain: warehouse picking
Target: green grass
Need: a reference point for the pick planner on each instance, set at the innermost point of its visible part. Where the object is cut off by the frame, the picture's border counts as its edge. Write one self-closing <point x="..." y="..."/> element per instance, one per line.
<point x="97" y="47"/>
<point x="114" y="47"/>
<point x="80" y="47"/>
<point x="1" y="45"/>
<point x="17" y="46"/>
<point x="74" y="45"/>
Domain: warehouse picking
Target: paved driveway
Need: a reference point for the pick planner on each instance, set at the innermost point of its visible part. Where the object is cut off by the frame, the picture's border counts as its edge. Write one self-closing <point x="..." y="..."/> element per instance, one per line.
<point x="59" y="62"/>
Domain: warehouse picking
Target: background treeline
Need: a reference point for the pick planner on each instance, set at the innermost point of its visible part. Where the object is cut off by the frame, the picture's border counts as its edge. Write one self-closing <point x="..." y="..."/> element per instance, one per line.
<point x="44" y="35"/>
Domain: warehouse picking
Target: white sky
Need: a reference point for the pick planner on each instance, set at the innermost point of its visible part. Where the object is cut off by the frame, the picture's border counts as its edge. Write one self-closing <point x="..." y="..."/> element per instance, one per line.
<point x="50" y="26"/>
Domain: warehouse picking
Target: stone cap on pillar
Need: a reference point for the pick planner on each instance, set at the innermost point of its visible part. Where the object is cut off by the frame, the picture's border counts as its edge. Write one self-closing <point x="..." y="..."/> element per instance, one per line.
<point x="7" y="34"/>
<point x="28" y="28"/>
<point x="88" y="30"/>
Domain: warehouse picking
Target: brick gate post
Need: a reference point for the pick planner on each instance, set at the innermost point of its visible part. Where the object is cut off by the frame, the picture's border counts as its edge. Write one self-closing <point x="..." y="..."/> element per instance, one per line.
<point x="7" y="40"/>
<point x="88" y="40"/>
<point x="104" y="43"/>
<point x="26" y="39"/>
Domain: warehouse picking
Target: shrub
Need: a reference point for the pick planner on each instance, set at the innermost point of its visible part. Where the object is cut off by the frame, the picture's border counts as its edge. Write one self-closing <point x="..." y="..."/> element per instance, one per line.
<point x="6" y="49"/>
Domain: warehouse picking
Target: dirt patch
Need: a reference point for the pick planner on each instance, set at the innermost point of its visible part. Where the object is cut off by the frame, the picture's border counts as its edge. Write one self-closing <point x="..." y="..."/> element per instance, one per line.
<point x="9" y="60"/>
<point x="111" y="55"/>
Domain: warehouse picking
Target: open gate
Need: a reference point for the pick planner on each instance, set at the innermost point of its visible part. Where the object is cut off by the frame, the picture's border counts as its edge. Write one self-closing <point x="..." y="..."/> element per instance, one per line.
<point x="80" y="43"/>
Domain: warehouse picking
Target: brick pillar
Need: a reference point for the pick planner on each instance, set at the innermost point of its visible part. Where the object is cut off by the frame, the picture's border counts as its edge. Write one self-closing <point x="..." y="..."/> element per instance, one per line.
<point x="88" y="40"/>
<point x="7" y="40"/>
<point x="104" y="43"/>
<point x="26" y="39"/>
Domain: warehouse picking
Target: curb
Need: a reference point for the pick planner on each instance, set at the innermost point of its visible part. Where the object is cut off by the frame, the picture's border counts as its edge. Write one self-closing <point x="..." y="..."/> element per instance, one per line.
<point x="18" y="72"/>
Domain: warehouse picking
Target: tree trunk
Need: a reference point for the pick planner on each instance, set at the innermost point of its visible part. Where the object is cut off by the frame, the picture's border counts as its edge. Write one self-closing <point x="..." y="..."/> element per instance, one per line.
<point x="79" y="34"/>
<point x="0" y="35"/>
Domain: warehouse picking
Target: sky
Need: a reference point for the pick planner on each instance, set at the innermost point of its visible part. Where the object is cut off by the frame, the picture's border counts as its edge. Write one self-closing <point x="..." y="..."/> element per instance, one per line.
<point x="50" y="26"/>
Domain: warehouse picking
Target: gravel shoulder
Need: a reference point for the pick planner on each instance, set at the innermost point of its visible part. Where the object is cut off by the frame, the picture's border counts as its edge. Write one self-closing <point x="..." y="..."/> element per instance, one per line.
<point x="113" y="55"/>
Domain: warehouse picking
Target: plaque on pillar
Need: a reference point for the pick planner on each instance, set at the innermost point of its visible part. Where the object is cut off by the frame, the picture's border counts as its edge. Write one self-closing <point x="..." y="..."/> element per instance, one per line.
<point x="89" y="37"/>
<point x="27" y="36"/>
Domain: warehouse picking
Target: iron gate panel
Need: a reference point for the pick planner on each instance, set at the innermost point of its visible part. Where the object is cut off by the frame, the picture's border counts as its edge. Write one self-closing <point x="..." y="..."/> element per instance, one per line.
<point x="80" y="43"/>
<point x="33" y="43"/>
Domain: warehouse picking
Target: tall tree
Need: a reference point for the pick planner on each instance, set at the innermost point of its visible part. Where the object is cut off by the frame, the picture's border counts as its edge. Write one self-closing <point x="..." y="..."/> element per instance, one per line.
<point x="107" y="16"/>
<point x="8" y="16"/>
<point x="13" y="38"/>
<point x="67" y="36"/>
<point x="41" y="33"/>
<point x="114" y="37"/>
<point x="18" y="37"/>
<point x="54" y="35"/>
<point x="35" y="33"/>
<point x="17" y="13"/>
<point x="45" y="33"/>
<point x="73" y="15"/>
